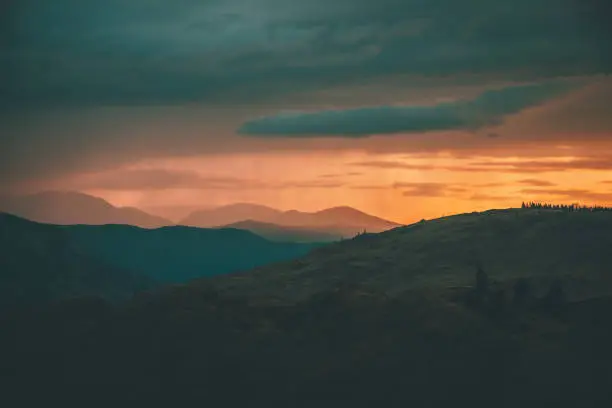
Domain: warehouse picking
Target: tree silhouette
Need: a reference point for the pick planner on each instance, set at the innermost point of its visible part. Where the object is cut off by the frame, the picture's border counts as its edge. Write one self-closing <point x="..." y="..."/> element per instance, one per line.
<point x="532" y="205"/>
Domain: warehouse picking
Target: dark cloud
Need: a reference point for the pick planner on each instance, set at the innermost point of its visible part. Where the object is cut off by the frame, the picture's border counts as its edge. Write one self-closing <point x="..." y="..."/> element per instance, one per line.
<point x="66" y="61"/>
<point x="488" y="109"/>
<point x="75" y="52"/>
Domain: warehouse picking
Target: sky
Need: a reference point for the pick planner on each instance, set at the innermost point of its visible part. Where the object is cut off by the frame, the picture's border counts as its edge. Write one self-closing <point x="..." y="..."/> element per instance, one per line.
<point x="406" y="109"/>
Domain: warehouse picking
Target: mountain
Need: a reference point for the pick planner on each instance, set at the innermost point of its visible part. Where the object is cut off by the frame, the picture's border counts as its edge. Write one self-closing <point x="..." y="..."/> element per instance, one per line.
<point x="38" y="263"/>
<point x="59" y="207"/>
<point x="389" y="319"/>
<point x="508" y="244"/>
<point x="167" y="254"/>
<point x="229" y="214"/>
<point x="177" y="253"/>
<point x="343" y="221"/>
<point x="280" y="233"/>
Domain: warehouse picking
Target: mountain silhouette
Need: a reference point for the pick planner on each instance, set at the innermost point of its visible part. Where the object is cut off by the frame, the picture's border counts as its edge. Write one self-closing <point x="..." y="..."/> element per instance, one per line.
<point x="178" y="253"/>
<point x="341" y="221"/>
<point x="65" y="207"/>
<point x="383" y="318"/>
<point x="36" y="255"/>
<point x="38" y="263"/>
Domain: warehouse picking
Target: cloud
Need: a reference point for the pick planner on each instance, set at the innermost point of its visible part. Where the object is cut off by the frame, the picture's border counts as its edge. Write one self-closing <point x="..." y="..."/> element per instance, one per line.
<point x="336" y="175"/>
<point x="161" y="179"/>
<point x="537" y="183"/>
<point x="99" y="52"/>
<point x="369" y="187"/>
<point x="573" y="194"/>
<point x="488" y="109"/>
<point x="519" y="167"/>
<point x="415" y="189"/>
<point x="489" y="197"/>
<point x="547" y="166"/>
<point x="309" y="184"/>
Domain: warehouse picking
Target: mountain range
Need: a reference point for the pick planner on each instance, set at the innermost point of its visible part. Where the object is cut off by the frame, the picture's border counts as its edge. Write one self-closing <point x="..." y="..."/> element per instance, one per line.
<point x="68" y="208"/>
<point x="380" y="319"/>
<point x="38" y="263"/>
<point x="339" y="221"/>
<point x="43" y="261"/>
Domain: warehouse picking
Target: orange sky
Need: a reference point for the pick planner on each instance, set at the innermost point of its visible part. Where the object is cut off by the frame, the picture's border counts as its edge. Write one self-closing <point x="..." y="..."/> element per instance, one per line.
<point x="397" y="187"/>
<point x="171" y="160"/>
<point x="404" y="109"/>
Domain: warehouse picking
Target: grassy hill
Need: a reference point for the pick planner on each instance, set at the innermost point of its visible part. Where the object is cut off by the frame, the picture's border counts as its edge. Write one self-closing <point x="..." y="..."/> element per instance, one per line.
<point x="444" y="252"/>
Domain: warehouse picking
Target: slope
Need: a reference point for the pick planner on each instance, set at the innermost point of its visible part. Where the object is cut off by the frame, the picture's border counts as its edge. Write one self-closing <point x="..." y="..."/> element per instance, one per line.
<point x="176" y="254"/>
<point x="444" y="252"/>
<point x="37" y="264"/>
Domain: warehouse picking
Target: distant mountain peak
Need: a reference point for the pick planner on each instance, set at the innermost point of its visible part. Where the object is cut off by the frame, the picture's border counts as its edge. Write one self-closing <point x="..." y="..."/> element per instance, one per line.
<point x="337" y="221"/>
<point x="341" y="209"/>
<point x="73" y="207"/>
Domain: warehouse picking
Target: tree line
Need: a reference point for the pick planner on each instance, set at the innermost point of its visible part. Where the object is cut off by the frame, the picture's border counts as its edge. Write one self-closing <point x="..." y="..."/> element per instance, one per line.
<point x="532" y="205"/>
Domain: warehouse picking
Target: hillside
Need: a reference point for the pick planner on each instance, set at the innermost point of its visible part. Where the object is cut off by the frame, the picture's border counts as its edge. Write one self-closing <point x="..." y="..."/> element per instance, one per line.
<point x="44" y="261"/>
<point x="64" y="207"/>
<point x="377" y="319"/>
<point x="177" y="254"/>
<point x="279" y="233"/>
<point x="444" y="252"/>
<point x="37" y="264"/>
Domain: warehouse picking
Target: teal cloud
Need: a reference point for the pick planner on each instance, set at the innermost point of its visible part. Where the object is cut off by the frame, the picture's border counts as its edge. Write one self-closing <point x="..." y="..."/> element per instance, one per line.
<point x="111" y="52"/>
<point x="490" y="108"/>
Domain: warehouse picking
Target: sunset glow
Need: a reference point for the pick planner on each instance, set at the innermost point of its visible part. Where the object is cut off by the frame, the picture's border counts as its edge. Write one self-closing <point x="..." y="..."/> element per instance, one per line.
<point x="170" y="122"/>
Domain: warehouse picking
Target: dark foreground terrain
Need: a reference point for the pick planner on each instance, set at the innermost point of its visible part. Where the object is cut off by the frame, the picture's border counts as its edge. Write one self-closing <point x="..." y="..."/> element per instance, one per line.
<point x="499" y="309"/>
<point x="348" y="347"/>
